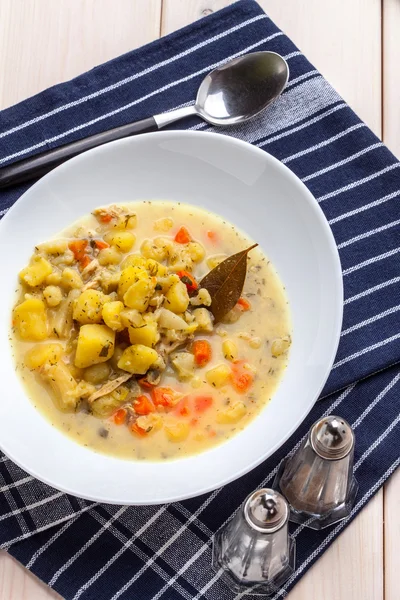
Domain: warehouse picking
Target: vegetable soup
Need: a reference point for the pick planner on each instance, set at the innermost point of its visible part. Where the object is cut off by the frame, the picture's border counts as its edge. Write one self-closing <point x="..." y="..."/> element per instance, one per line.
<point x="150" y="330"/>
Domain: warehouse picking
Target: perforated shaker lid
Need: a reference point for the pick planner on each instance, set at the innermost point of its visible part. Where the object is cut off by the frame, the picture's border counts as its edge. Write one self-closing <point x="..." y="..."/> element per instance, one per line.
<point x="266" y="510"/>
<point x="332" y="438"/>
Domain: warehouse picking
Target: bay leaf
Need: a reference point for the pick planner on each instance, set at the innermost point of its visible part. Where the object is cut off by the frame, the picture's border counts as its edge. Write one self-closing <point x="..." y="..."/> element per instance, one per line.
<point x="225" y="283"/>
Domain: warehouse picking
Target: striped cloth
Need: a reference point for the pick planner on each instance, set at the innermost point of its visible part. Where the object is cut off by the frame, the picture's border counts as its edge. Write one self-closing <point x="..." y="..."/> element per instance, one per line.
<point x="92" y="551"/>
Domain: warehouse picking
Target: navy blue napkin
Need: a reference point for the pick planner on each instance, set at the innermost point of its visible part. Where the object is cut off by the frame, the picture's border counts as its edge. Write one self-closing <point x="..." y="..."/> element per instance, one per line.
<point x="86" y="550"/>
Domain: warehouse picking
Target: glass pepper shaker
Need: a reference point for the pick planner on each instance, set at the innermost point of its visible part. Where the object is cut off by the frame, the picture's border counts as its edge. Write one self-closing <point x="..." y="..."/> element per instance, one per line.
<point x="254" y="550"/>
<point x="318" y="480"/>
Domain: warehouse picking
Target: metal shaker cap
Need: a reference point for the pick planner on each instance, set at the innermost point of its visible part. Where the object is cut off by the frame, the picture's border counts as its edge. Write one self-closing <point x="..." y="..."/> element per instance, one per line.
<point x="332" y="438"/>
<point x="266" y="510"/>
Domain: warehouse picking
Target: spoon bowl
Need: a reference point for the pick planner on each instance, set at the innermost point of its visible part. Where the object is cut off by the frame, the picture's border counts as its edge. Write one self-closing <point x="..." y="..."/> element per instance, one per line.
<point x="242" y="88"/>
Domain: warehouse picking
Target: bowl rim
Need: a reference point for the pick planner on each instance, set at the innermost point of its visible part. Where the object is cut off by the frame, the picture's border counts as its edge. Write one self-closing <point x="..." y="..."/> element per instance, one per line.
<point x="337" y="275"/>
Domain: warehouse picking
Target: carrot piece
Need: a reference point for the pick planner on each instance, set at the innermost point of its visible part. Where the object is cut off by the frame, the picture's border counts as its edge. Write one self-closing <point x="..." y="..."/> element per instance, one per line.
<point x="138" y="430"/>
<point x="100" y="245"/>
<point x="241" y="378"/>
<point x="105" y="217"/>
<point x="182" y="408"/>
<point x="201" y="403"/>
<point x="78" y="247"/>
<point x="183" y="236"/>
<point x="143" y="405"/>
<point x="188" y="279"/>
<point x="202" y="352"/>
<point x="146" y="384"/>
<point x="85" y="261"/>
<point x="120" y="416"/>
<point x="243" y="304"/>
<point x="163" y="396"/>
<point x="212" y="236"/>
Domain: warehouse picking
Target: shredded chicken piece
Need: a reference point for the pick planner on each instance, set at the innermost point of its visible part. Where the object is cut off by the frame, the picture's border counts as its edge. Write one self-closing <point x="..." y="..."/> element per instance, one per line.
<point x="109" y="387"/>
<point x="92" y="266"/>
<point x="166" y="349"/>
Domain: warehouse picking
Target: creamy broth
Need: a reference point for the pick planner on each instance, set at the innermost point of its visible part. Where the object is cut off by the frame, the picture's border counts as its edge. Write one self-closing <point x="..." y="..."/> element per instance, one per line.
<point x="257" y="333"/>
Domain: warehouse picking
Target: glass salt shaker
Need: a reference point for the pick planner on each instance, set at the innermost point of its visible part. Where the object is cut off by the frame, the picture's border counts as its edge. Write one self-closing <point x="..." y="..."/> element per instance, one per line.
<point x="254" y="550"/>
<point x="318" y="480"/>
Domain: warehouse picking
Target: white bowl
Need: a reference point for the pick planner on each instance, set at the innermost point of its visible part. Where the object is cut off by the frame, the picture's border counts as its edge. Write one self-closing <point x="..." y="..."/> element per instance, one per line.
<point x="252" y="190"/>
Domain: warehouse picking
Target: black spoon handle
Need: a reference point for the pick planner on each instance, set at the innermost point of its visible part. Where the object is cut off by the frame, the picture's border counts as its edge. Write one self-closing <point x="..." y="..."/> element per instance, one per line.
<point x="36" y="166"/>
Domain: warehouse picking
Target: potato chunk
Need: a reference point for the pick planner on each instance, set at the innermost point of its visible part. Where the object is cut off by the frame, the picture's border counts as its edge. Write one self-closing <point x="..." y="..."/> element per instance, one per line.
<point x="105" y="406"/>
<point x="30" y="320"/>
<point x="137" y="359"/>
<point x="42" y="354"/>
<point x="157" y="249"/>
<point x="111" y="314"/>
<point x="95" y="345"/>
<point x="147" y="334"/>
<point x="63" y="384"/>
<point x="230" y="350"/>
<point x="129" y="276"/>
<point x="88" y="307"/>
<point x="177" y="298"/>
<point x="97" y="373"/>
<point x="109" y="256"/>
<point x="71" y="279"/>
<point x="139" y="294"/>
<point x="218" y="376"/>
<point x="122" y="240"/>
<point x="36" y="272"/>
<point x="177" y="432"/>
<point x="232" y="414"/>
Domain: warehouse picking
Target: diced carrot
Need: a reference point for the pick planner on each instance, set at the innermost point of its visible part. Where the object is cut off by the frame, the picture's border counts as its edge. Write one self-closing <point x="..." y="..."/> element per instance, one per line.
<point x="202" y="352"/>
<point x="212" y="236"/>
<point x="100" y="245"/>
<point x="201" y="403"/>
<point x="138" y="430"/>
<point x="85" y="261"/>
<point x="241" y="378"/>
<point x="163" y="396"/>
<point x="182" y="408"/>
<point x="188" y="279"/>
<point x="120" y="416"/>
<point x="243" y="304"/>
<point x="145" y="383"/>
<point x="183" y="236"/>
<point x="143" y="405"/>
<point x="105" y="217"/>
<point x="78" y="247"/>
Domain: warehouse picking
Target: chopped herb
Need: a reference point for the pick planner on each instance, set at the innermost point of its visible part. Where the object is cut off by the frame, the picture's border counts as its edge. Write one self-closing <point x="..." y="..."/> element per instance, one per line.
<point x="104" y="350"/>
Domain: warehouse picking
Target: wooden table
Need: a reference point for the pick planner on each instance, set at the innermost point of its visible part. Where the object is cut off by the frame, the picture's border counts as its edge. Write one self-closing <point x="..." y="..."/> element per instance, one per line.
<point x="355" y="44"/>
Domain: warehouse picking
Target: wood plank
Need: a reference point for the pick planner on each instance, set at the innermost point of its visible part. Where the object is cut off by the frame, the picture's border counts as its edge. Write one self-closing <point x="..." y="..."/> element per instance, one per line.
<point x="16" y="583"/>
<point x="392" y="537"/>
<point x="331" y="42"/>
<point x="352" y="567"/>
<point x="43" y="42"/>
<point x="61" y="40"/>
<point x="391" y="75"/>
<point x="391" y="137"/>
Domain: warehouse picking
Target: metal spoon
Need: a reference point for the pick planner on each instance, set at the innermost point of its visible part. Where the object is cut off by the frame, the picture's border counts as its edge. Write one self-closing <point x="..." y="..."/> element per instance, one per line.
<point x="231" y="94"/>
